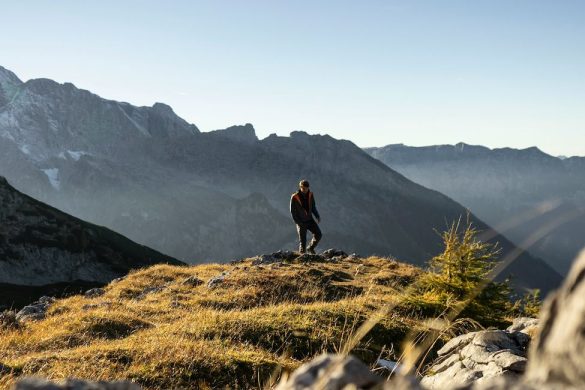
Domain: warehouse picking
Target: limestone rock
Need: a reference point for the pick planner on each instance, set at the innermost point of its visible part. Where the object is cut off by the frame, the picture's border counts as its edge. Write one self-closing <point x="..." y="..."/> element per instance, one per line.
<point x="35" y="311"/>
<point x="525" y="325"/>
<point x="557" y="355"/>
<point x="217" y="280"/>
<point x="478" y="356"/>
<point x="331" y="372"/>
<point x="275" y="257"/>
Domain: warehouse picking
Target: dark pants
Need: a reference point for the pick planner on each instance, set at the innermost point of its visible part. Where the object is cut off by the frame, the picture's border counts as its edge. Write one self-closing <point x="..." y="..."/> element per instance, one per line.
<point x="302" y="232"/>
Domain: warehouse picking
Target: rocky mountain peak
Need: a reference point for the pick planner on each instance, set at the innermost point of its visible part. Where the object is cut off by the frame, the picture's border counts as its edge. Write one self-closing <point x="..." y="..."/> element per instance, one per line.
<point x="163" y="108"/>
<point x="8" y="78"/>
<point x="8" y="85"/>
<point x="243" y="133"/>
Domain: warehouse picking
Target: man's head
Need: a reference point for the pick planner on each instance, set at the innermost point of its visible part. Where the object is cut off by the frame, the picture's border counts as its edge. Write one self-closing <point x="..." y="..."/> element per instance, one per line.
<point x="304" y="186"/>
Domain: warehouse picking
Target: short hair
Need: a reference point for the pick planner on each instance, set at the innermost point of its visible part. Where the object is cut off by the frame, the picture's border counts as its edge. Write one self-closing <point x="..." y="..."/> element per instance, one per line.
<point x="303" y="183"/>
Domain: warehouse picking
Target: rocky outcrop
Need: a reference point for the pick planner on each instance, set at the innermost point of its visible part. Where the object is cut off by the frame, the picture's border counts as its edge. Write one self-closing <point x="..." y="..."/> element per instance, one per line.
<point x="557" y="357"/>
<point x="281" y="256"/>
<point x="331" y="372"/>
<point x="35" y="311"/>
<point x="477" y="356"/>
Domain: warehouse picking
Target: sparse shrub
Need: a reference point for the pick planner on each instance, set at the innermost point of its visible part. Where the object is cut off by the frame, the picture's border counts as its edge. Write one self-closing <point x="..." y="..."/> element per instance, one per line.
<point x="529" y="305"/>
<point x="458" y="279"/>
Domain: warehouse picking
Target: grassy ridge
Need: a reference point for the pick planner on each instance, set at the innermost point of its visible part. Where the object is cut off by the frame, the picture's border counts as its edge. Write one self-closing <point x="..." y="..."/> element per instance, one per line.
<point x="163" y="327"/>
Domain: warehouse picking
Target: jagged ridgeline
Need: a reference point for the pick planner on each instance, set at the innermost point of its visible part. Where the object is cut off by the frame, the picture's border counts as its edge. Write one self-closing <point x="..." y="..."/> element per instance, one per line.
<point x="45" y="251"/>
<point x="533" y="189"/>
<point x="150" y="175"/>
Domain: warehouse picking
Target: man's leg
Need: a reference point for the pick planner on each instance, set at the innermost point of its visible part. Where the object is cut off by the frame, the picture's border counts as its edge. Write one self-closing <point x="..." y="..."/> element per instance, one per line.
<point x="302" y="232"/>
<point x="314" y="228"/>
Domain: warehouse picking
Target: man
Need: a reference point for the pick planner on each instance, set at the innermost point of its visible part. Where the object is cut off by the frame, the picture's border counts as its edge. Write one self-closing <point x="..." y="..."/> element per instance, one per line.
<point x="302" y="208"/>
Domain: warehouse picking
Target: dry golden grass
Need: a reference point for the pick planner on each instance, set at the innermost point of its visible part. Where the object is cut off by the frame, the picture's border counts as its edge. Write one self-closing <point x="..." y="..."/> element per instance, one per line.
<point x="241" y="334"/>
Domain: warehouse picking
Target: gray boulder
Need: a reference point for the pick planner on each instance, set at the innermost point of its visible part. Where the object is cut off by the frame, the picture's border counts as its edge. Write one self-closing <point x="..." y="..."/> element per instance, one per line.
<point x="331" y="372"/>
<point x="524" y="324"/>
<point x="217" y="280"/>
<point x="275" y="257"/>
<point x="477" y="356"/>
<point x="35" y="311"/>
<point x="558" y="354"/>
<point x="556" y="360"/>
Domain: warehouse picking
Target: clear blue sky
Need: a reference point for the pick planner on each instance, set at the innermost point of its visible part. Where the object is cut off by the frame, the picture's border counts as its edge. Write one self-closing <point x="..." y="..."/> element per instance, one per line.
<point x="497" y="73"/>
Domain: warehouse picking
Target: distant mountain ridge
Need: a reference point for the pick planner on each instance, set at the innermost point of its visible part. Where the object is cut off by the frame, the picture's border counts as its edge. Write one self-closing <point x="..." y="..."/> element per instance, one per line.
<point x="198" y="196"/>
<point x="501" y="184"/>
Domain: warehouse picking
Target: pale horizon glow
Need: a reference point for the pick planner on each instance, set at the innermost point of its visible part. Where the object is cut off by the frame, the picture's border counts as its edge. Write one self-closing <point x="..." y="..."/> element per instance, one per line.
<point x="497" y="74"/>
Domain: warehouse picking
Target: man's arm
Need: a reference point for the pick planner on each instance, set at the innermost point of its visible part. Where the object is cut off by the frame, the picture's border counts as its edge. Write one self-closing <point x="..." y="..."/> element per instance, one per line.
<point x="314" y="208"/>
<point x="293" y="210"/>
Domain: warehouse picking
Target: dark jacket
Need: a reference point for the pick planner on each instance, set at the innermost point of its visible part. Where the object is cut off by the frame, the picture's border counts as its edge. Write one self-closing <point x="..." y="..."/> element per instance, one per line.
<point x="302" y="207"/>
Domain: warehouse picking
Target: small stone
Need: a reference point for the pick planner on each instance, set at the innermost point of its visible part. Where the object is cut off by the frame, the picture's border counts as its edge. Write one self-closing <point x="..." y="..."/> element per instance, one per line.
<point x="330" y="253"/>
<point x="149" y="290"/>
<point x="193" y="281"/>
<point x="94" y="293"/>
<point x="117" y="280"/>
<point x="217" y="280"/>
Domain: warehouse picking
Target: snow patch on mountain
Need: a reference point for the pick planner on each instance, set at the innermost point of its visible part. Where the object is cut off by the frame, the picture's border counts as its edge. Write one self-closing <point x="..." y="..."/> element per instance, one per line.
<point x="24" y="149"/>
<point x="53" y="176"/>
<point x="76" y="155"/>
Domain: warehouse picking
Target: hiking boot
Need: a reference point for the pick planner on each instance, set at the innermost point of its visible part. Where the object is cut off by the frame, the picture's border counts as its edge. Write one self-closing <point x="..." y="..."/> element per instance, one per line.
<point x="311" y="250"/>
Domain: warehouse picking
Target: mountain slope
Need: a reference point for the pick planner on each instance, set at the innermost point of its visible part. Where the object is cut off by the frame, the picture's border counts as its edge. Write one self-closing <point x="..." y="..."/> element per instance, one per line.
<point x="223" y="194"/>
<point x="506" y="184"/>
<point x="41" y="246"/>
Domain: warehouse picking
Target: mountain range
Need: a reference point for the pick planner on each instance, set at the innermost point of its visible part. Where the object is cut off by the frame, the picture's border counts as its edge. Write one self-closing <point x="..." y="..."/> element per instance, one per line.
<point x="219" y="195"/>
<point x="538" y="198"/>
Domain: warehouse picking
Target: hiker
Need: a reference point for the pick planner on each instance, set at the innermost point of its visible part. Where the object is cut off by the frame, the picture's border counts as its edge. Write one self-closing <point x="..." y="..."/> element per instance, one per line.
<point x="302" y="208"/>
